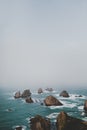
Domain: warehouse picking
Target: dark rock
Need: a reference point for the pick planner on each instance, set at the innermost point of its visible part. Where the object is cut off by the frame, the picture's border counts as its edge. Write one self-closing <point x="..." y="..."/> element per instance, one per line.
<point x="79" y="96"/>
<point x="18" y="128"/>
<point x="17" y="94"/>
<point x="29" y="100"/>
<point x="85" y="106"/>
<point x="26" y="93"/>
<point x="39" y="123"/>
<point x="10" y="110"/>
<point x="65" y="122"/>
<point x="42" y="103"/>
<point x="64" y="94"/>
<point x="40" y="90"/>
<point x="52" y="101"/>
<point x="49" y="89"/>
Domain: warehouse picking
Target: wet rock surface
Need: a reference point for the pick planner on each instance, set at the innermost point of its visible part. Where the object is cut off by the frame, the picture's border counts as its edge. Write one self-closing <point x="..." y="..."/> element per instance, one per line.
<point x="17" y="94"/>
<point x="85" y="106"/>
<point x="39" y="123"/>
<point x="52" y="101"/>
<point x="26" y="93"/>
<point x="64" y="94"/>
<point x="40" y="91"/>
<point x="29" y="100"/>
<point x="65" y="122"/>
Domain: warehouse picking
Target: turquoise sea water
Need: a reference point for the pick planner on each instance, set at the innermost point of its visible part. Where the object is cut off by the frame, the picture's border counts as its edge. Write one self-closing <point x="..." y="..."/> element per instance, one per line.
<point x="14" y="112"/>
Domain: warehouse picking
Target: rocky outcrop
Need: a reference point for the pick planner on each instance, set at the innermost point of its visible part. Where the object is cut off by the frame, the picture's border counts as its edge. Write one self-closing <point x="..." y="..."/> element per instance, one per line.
<point x="49" y="89"/>
<point x="29" y="100"/>
<point x="85" y="106"/>
<point x="52" y="101"/>
<point x="64" y="94"/>
<point x="17" y="94"/>
<point x="65" y="122"/>
<point x="19" y="128"/>
<point x="40" y="90"/>
<point x="39" y="123"/>
<point x="78" y="96"/>
<point x="62" y="121"/>
<point x="26" y="93"/>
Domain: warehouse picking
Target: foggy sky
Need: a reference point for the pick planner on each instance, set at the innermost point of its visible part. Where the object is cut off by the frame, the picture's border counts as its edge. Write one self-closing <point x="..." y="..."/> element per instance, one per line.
<point x="43" y="43"/>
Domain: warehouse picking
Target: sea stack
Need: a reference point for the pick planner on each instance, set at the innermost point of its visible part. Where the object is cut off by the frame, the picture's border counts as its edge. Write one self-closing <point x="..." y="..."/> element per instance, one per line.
<point x="40" y="91"/>
<point x="64" y="94"/>
<point x="39" y="123"/>
<point x="17" y="94"/>
<point x="62" y="121"/>
<point x="52" y="101"/>
<point x="65" y="122"/>
<point x="26" y="93"/>
<point x="85" y="106"/>
<point x="29" y="100"/>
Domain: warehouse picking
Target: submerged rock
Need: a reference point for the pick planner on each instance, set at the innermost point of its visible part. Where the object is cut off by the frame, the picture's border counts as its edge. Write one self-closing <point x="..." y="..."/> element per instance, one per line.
<point x="9" y="109"/>
<point x="65" y="122"/>
<point x="39" y="123"/>
<point x="40" y="90"/>
<point x="17" y="94"/>
<point x="64" y="94"/>
<point x="52" y="101"/>
<point x="29" y="100"/>
<point x="26" y="93"/>
<point x="85" y="106"/>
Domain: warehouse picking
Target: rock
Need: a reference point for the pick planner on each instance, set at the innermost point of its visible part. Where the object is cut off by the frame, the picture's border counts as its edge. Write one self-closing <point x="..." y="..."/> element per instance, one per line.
<point x="10" y="110"/>
<point x="52" y="101"/>
<point x="78" y="96"/>
<point x="39" y="123"/>
<point x="26" y="93"/>
<point x="62" y="121"/>
<point x="65" y="122"/>
<point x="40" y="90"/>
<point x="18" y="128"/>
<point x="49" y="89"/>
<point x="85" y="106"/>
<point x="17" y="94"/>
<point x="64" y="94"/>
<point x="29" y="100"/>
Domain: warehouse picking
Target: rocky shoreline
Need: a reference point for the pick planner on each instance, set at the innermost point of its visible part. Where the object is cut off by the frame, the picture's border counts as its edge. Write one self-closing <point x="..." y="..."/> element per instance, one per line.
<point x="63" y="122"/>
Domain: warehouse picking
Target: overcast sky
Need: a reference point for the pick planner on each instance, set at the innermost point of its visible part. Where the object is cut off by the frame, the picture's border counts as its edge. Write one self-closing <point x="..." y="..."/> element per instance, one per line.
<point x="43" y="43"/>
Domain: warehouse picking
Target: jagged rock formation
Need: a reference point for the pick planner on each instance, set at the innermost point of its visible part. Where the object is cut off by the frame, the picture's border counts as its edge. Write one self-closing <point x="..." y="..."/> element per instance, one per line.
<point x="85" y="106"/>
<point x="39" y="123"/>
<point x="65" y="122"/>
<point x="40" y="90"/>
<point x="64" y="94"/>
<point x="17" y="94"/>
<point x="52" y="101"/>
<point x="29" y="100"/>
<point x="26" y="93"/>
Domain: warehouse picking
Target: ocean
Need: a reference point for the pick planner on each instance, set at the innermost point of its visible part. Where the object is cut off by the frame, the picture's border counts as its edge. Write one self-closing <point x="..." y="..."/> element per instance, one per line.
<point x="16" y="112"/>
